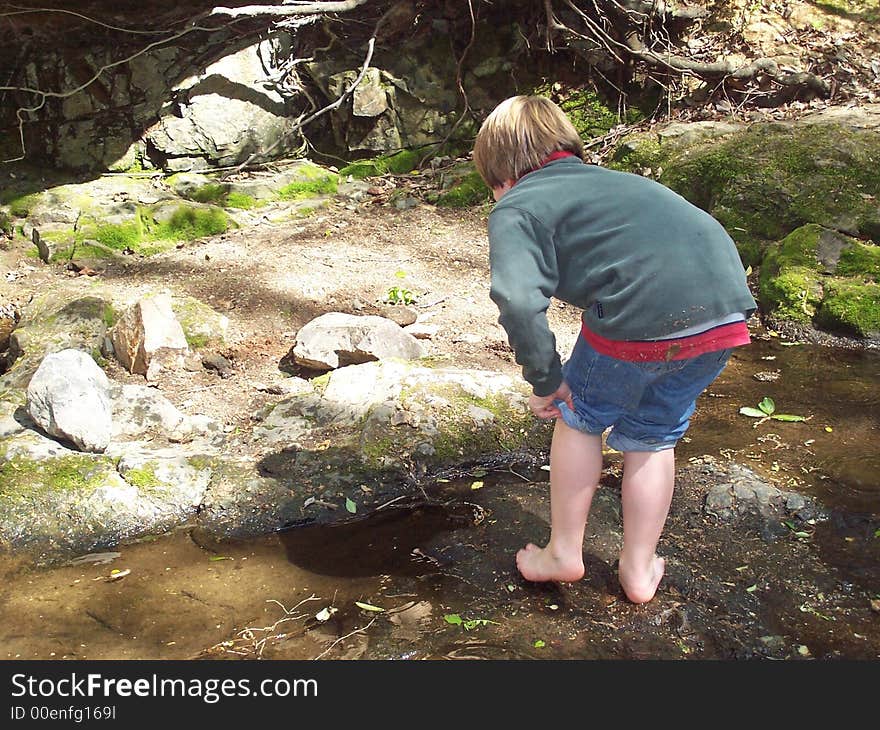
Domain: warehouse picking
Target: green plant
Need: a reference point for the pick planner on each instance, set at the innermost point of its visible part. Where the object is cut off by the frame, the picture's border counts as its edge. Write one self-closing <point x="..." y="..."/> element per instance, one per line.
<point x="767" y="409"/>
<point x="399" y="295"/>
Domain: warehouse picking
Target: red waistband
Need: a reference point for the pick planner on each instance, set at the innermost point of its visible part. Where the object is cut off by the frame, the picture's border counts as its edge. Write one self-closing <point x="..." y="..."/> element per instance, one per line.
<point x="679" y="348"/>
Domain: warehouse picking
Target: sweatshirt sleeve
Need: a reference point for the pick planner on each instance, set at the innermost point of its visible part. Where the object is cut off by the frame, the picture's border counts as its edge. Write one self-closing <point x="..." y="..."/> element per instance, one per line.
<point x="524" y="277"/>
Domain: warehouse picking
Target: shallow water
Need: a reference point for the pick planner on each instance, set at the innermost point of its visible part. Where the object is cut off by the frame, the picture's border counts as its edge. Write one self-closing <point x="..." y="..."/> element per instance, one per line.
<point x="442" y="574"/>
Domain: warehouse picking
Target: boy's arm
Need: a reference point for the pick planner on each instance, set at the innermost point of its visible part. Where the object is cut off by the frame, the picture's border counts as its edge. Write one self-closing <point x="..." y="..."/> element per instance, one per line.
<point x="524" y="277"/>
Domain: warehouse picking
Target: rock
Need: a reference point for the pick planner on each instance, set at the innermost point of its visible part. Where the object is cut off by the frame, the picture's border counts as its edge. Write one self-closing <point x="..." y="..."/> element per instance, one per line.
<point x="219" y="364"/>
<point x="422" y="330"/>
<point x="69" y="398"/>
<point x="148" y="337"/>
<point x="398" y="313"/>
<point x="337" y="339"/>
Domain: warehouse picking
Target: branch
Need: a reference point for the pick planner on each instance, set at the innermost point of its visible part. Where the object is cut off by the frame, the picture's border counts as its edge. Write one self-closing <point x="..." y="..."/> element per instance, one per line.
<point x="288" y="10"/>
<point x="725" y="69"/>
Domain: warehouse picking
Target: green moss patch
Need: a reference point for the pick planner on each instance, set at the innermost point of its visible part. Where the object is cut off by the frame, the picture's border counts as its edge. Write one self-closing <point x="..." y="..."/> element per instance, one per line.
<point x="469" y="190"/>
<point x="851" y="308"/>
<point x="188" y="223"/>
<point x="399" y="163"/>
<point x="22" y="477"/>
<point x="860" y="260"/>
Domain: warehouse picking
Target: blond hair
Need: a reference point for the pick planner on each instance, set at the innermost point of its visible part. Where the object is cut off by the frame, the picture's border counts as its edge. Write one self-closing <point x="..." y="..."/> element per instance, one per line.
<point x="519" y="135"/>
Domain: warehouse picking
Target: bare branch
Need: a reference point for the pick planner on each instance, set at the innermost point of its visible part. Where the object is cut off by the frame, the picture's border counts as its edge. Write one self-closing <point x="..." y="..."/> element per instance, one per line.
<point x="288" y="10"/>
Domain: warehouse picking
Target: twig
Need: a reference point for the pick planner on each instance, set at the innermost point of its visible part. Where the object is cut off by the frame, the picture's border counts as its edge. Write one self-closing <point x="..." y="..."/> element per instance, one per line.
<point x="343" y="638"/>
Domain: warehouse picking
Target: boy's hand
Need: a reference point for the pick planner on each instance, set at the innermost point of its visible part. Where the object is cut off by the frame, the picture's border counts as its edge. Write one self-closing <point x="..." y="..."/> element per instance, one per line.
<point x="543" y="406"/>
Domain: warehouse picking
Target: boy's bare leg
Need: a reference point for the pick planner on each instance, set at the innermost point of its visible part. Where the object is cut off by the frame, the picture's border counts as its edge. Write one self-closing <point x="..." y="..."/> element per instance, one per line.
<point x="575" y="468"/>
<point x="646" y="493"/>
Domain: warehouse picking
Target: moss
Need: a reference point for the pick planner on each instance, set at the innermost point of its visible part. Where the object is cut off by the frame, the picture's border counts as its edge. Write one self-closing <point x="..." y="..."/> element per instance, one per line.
<point x="307" y="188"/>
<point x="780" y="177"/>
<point x="313" y="180"/>
<point x="790" y="281"/>
<point x="860" y="260"/>
<point x="399" y="163"/>
<point x="241" y="201"/>
<point x="20" y="207"/>
<point x="109" y="315"/>
<point x="321" y="382"/>
<point x="187" y="223"/>
<point x="21" y="476"/>
<point x="590" y="116"/>
<point x="120" y="236"/>
<point x="470" y="190"/>
<point x="851" y="308"/>
<point x="196" y="341"/>
<point x="794" y="294"/>
<point x="6" y="226"/>
<point x="143" y="477"/>
<point x="211" y="193"/>
<point x="637" y="154"/>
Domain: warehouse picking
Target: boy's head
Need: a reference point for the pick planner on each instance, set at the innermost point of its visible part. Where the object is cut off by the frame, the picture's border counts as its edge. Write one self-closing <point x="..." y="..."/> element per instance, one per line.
<point x="519" y="135"/>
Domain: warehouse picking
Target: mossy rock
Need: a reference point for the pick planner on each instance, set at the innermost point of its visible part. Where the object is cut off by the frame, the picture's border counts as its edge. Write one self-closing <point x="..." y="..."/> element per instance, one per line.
<point x="820" y="277"/>
<point x="764" y="181"/>
<point x="398" y="163"/>
<point x="589" y="114"/>
<point x="310" y="180"/>
<point x="53" y="322"/>
<point x="202" y="326"/>
<point x="851" y="308"/>
<point x="463" y="187"/>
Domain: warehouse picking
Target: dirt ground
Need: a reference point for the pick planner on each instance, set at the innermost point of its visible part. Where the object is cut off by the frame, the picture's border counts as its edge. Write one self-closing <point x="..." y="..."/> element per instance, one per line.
<point x="270" y="280"/>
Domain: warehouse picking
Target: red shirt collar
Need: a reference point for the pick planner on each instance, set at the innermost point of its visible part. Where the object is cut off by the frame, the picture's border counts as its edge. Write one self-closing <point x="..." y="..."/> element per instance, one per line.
<point x="552" y="157"/>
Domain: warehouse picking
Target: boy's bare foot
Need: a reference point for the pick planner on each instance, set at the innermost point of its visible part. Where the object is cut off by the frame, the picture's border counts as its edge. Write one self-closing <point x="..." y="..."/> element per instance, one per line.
<point x="538" y="565"/>
<point x="641" y="588"/>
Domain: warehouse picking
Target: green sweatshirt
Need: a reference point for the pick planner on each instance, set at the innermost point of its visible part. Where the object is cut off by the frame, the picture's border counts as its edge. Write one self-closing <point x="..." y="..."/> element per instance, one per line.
<point x="638" y="259"/>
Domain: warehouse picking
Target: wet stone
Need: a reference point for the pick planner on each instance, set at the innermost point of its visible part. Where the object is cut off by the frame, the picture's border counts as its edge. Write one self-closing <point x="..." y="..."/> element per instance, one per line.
<point x="743" y="491"/>
<point x="719" y="498"/>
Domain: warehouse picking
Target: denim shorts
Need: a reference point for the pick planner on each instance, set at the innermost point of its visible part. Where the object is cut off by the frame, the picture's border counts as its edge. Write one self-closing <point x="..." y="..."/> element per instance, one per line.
<point x="647" y="405"/>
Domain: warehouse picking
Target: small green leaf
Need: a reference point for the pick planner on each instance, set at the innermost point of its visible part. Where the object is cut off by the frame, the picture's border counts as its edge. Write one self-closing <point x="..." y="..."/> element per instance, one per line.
<point x="752" y="412"/>
<point x="767" y="405"/>
<point x="877" y="532"/>
<point x="400" y="274"/>
<point x="453" y="618"/>
<point x="368" y="607"/>
<point x="786" y="417"/>
<point x="479" y="473"/>
<point x="474" y="622"/>
<point x="351" y="505"/>
<point x="539" y="644"/>
<point x="477" y="485"/>
<point x="752" y="588"/>
<point x="790" y="525"/>
<point x="215" y="558"/>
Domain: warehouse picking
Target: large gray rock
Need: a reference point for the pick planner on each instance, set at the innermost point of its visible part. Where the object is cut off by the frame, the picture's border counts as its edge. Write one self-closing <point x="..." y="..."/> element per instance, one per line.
<point x="336" y="339"/>
<point x="69" y="398"/>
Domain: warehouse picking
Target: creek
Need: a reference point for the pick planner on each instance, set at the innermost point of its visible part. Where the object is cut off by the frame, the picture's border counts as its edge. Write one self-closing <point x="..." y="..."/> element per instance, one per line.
<point x="436" y="579"/>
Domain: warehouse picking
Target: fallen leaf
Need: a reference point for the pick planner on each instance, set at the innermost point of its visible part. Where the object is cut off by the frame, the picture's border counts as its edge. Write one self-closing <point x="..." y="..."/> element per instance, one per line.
<point x="368" y="607"/>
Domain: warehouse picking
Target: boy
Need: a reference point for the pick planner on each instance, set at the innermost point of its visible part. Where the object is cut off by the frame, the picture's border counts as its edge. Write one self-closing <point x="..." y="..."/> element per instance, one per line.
<point x="664" y="299"/>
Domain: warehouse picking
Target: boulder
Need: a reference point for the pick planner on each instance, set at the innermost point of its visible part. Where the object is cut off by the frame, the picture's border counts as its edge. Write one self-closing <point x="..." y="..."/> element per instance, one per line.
<point x="149" y="337"/>
<point x="336" y="339"/>
<point x="69" y="398"/>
